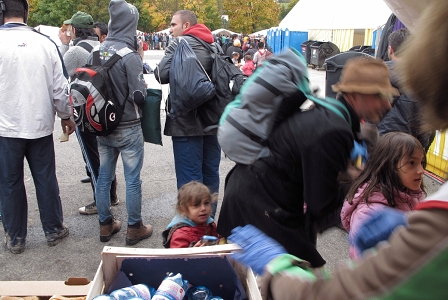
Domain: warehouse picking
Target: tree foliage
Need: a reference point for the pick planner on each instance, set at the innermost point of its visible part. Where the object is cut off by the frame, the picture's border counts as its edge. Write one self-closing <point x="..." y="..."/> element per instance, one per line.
<point x="252" y="15"/>
<point x="156" y="15"/>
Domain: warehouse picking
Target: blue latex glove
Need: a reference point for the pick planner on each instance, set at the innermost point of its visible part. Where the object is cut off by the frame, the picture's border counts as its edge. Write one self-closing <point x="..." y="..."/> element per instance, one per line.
<point x="257" y="248"/>
<point x="378" y="228"/>
<point x="359" y="149"/>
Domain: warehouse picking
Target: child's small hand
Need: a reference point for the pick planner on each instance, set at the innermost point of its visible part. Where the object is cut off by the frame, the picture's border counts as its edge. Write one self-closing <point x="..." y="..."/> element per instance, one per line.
<point x="199" y="244"/>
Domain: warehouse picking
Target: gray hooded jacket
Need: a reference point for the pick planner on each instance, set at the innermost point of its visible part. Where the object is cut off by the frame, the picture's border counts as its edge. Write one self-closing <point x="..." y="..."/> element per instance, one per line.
<point x="127" y="74"/>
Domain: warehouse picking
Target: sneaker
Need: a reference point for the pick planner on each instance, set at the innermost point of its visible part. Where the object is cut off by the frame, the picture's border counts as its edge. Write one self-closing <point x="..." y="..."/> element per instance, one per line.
<point x="88" y="209"/>
<point x="54" y="238"/>
<point x="91" y="208"/>
<point x="108" y="229"/>
<point x="137" y="232"/>
<point x="16" y="249"/>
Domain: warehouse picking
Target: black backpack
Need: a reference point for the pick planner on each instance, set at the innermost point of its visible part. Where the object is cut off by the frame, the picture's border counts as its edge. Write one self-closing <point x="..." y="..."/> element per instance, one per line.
<point x="227" y="79"/>
<point x="96" y="108"/>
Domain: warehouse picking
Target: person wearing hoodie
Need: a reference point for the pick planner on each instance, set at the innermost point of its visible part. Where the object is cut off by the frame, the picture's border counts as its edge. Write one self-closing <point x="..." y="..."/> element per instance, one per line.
<point x="129" y="87"/>
<point x="84" y="40"/>
<point x="197" y="153"/>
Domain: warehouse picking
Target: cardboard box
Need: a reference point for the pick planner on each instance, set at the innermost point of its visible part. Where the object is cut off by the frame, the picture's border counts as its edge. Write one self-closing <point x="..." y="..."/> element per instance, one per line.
<point x="207" y="266"/>
<point x="73" y="287"/>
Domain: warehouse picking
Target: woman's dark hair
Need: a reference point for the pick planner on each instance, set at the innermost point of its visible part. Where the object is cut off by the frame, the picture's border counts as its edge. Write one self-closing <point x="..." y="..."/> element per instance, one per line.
<point x="381" y="170"/>
<point x="84" y="32"/>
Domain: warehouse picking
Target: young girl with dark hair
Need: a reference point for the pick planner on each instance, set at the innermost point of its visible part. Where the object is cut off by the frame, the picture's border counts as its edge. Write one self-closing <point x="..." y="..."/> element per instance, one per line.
<point x="393" y="177"/>
<point x="193" y="220"/>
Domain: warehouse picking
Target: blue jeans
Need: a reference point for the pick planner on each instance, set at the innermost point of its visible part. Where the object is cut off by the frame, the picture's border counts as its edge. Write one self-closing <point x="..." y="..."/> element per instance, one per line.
<point x="13" y="201"/>
<point x="197" y="158"/>
<point x="129" y="143"/>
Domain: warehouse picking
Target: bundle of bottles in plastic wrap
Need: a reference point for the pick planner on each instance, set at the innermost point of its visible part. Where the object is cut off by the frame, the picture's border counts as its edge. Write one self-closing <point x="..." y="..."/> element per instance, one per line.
<point x="173" y="287"/>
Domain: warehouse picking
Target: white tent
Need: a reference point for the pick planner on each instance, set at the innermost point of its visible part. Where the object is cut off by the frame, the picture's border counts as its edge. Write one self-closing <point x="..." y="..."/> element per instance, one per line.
<point x="167" y="31"/>
<point x="346" y="23"/>
<point x="223" y="31"/>
<point x="340" y="14"/>
<point x="263" y="32"/>
<point x="51" y="31"/>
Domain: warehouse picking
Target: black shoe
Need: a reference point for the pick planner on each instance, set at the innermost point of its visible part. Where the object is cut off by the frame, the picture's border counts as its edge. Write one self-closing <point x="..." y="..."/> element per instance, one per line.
<point x="54" y="238"/>
<point x="86" y="179"/>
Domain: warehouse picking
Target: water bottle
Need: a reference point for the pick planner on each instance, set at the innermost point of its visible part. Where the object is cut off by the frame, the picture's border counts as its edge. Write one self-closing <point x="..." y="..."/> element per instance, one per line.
<point x="140" y="291"/>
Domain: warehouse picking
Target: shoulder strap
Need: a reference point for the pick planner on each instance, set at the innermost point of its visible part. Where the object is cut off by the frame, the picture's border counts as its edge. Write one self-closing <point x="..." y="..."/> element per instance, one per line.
<point x="334" y="105"/>
<point x="206" y="45"/>
<point x="117" y="56"/>
<point x="85" y="46"/>
<point x="96" y="58"/>
<point x="168" y="233"/>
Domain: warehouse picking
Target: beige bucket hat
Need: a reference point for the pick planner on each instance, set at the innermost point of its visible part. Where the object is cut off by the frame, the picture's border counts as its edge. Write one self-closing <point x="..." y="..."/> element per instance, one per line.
<point x="365" y="76"/>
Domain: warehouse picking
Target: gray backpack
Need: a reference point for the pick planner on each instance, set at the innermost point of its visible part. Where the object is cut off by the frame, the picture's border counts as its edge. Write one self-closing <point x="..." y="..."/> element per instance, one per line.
<point x="274" y="92"/>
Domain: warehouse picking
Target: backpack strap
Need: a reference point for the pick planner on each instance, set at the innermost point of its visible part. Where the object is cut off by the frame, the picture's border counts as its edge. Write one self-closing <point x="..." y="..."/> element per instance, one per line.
<point x="206" y="45"/>
<point x="168" y="233"/>
<point x="96" y="58"/>
<point x="85" y="46"/>
<point x="246" y="131"/>
<point x="117" y="56"/>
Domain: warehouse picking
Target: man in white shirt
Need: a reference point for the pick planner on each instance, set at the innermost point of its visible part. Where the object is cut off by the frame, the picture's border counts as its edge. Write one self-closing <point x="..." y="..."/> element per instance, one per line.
<point x="33" y="89"/>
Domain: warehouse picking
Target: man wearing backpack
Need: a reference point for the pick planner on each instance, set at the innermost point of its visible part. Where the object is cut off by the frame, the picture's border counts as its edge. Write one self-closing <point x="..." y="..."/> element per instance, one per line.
<point x="127" y="139"/>
<point x="84" y="39"/>
<point x="261" y="55"/>
<point x="33" y="90"/>
<point x="307" y="152"/>
<point x="197" y="153"/>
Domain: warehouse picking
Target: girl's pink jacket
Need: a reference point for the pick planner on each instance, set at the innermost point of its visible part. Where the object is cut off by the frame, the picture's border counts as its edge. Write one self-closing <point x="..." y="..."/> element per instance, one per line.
<point x="352" y="216"/>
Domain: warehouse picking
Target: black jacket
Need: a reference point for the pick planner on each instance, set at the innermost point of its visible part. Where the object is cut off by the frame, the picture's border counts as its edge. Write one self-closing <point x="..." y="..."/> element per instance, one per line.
<point x="405" y="115"/>
<point x="190" y="124"/>
<point x="308" y="150"/>
<point x="232" y="49"/>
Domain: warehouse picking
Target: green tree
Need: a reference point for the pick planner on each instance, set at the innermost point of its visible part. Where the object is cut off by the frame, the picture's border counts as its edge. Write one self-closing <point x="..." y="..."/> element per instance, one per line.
<point x="98" y="9"/>
<point x="287" y="8"/>
<point x="51" y="12"/>
<point x="252" y="15"/>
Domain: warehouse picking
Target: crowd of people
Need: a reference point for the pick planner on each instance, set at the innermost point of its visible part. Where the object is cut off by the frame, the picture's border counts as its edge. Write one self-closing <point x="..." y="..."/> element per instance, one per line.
<point x="322" y="169"/>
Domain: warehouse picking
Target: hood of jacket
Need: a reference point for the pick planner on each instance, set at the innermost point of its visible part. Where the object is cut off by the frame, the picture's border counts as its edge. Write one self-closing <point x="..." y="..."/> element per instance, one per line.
<point x="123" y="22"/>
<point x="183" y="219"/>
<point x="408" y="202"/>
<point x="200" y="31"/>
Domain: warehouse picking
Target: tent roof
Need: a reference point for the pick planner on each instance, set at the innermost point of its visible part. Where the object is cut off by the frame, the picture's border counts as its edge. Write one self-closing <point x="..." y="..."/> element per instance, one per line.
<point x="223" y="31"/>
<point x="331" y="14"/>
<point x="51" y="31"/>
<point x="167" y="31"/>
<point x="263" y="32"/>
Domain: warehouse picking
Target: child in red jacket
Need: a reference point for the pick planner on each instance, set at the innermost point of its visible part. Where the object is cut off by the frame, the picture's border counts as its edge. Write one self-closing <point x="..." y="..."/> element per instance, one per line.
<point x="249" y="65"/>
<point x="193" y="220"/>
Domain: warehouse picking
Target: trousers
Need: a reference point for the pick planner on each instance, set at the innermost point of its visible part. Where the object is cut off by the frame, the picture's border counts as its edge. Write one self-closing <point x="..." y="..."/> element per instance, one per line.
<point x="198" y="158"/>
<point x="40" y="156"/>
